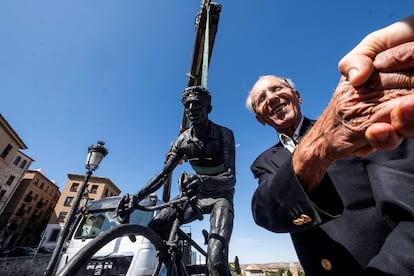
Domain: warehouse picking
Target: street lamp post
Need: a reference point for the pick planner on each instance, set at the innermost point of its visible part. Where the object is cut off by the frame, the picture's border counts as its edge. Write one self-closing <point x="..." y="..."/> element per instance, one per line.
<point x="96" y="153"/>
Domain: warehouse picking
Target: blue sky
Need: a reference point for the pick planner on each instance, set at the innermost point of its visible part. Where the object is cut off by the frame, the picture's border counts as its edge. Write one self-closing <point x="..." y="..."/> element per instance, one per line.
<point x="75" y="72"/>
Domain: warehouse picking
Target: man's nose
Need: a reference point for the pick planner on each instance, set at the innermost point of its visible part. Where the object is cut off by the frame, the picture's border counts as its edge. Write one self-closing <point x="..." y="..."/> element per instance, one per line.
<point x="271" y="97"/>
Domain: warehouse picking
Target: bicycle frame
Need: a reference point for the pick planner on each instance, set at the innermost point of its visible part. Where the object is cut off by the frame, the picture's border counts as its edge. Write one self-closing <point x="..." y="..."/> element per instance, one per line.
<point x="176" y="235"/>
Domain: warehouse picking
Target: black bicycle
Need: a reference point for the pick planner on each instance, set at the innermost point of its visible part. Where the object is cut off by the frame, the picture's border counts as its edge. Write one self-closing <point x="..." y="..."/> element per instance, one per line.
<point x="172" y="254"/>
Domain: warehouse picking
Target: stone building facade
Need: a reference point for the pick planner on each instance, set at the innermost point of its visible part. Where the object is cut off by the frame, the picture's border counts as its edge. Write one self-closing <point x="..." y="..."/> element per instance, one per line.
<point x="28" y="211"/>
<point x="13" y="166"/>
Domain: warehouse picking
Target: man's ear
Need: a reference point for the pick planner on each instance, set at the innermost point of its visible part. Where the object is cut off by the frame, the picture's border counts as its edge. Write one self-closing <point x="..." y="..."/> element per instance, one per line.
<point x="298" y="96"/>
<point x="261" y="119"/>
<point x="209" y="108"/>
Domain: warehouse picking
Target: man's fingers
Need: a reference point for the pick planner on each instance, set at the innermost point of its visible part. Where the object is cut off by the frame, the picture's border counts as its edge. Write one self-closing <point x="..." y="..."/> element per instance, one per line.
<point x="386" y="81"/>
<point x="358" y="63"/>
<point x="364" y="151"/>
<point x="398" y="58"/>
<point x="357" y="68"/>
<point x="387" y="136"/>
<point x="382" y="136"/>
<point x="402" y="117"/>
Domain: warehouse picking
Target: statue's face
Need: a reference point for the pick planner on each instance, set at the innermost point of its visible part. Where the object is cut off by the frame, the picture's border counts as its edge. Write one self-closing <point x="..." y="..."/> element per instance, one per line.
<point x="197" y="109"/>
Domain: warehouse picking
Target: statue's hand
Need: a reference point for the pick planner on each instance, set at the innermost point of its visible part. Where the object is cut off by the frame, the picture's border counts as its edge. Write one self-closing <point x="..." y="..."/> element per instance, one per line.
<point x="125" y="208"/>
<point x="190" y="183"/>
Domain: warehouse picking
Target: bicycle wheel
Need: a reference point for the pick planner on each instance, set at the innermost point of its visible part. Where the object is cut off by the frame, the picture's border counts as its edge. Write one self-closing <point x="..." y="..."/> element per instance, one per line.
<point x="85" y="254"/>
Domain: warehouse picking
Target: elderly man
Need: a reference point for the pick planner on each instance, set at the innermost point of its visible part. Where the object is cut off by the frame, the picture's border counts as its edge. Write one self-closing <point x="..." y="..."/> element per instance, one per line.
<point x="210" y="149"/>
<point x="347" y="215"/>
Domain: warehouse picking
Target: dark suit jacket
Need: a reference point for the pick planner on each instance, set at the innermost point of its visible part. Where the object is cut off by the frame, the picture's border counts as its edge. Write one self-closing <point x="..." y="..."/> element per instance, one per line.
<point x="359" y="221"/>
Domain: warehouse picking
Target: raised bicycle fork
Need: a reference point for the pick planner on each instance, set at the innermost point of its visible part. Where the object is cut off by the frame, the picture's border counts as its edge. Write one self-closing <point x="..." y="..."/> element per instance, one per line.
<point x="177" y="239"/>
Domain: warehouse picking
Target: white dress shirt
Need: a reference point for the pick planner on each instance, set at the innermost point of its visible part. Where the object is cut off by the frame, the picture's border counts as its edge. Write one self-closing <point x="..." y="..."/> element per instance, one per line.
<point x="290" y="143"/>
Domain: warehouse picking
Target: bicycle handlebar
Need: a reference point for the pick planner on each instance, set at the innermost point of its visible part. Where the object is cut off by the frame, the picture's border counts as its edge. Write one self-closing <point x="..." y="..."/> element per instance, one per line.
<point x="170" y="203"/>
<point x="128" y="203"/>
<point x="182" y="199"/>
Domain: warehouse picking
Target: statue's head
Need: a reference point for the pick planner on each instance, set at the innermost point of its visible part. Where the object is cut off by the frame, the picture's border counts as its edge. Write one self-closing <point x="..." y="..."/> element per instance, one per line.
<point x="197" y="104"/>
<point x="196" y="94"/>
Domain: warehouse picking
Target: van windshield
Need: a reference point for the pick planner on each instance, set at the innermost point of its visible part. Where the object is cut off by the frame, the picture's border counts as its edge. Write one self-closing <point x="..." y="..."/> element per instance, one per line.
<point x="98" y="222"/>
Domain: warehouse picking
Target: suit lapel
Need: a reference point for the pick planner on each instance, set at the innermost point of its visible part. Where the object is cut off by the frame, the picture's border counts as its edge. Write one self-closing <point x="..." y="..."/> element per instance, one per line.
<point x="279" y="153"/>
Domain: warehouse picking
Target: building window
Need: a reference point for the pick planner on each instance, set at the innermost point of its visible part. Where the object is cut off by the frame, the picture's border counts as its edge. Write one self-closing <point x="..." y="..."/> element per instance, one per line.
<point x="41" y="185"/>
<point x="24" y="162"/>
<point x="89" y="201"/>
<point x="68" y="201"/>
<point x="10" y="180"/>
<point x="40" y="203"/>
<point x="17" y="160"/>
<point x="28" y="197"/>
<point x="54" y="235"/>
<point x="6" y="151"/>
<point x="21" y="211"/>
<point x="74" y="187"/>
<point x="2" y="192"/>
<point x="36" y="181"/>
<point x="62" y="216"/>
<point x="94" y="189"/>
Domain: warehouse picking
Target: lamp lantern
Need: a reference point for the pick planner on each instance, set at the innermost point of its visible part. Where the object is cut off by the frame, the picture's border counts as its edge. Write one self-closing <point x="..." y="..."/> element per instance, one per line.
<point x="96" y="153"/>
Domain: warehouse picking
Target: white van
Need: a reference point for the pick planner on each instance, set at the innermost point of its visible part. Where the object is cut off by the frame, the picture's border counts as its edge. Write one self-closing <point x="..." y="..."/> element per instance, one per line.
<point x="119" y="255"/>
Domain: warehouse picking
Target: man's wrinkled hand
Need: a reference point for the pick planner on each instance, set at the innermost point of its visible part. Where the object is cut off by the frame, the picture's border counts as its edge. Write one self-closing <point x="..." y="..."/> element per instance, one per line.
<point x="356" y="115"/>
<point x="356" y="122"/>
<point x="387" y="133"/>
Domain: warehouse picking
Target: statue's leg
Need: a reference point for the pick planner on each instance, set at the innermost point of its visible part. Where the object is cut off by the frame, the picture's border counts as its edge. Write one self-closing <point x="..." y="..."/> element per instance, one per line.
<point x="162" y="222"/>
<point x="221" y="227"/>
